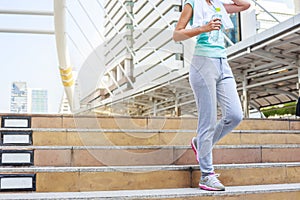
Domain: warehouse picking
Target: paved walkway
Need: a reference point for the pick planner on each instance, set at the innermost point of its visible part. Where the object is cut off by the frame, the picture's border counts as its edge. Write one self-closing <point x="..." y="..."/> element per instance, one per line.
<point x="148" y="194"/>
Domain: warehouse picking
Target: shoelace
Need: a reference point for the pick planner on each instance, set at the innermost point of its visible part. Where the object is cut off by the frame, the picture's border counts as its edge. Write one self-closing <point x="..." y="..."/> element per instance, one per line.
<point x="216" y="180"/>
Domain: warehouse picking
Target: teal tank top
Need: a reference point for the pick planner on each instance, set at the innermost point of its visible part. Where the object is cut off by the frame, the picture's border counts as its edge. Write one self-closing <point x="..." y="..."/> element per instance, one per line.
<point x="203" y="47"/>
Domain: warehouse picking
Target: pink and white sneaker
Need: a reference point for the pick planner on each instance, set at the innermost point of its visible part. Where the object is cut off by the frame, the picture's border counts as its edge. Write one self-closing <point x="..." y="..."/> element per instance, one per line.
<point x="211" y="183"/>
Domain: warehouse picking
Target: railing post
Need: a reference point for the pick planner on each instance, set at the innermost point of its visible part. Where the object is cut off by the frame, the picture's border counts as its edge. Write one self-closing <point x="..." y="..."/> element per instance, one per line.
<point x="245" y="97"/>
<point x="63" y="52"/>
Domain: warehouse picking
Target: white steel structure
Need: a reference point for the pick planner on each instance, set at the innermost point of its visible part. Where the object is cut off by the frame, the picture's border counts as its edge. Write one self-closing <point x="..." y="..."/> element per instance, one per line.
<point x="147" y="72"/>
<point x="140" y="56"/>
<point x="62" y="50"/>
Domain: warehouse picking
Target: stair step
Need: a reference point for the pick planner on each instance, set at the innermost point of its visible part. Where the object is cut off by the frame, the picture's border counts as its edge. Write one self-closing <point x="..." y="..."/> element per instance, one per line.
<point x="15" y="137"/>
<point x="143" y="155"/>
<point x="134" y="137"/>
<point x="120" y="122"/>
<point x="157" y="137"/>
<point x="12" y="121"/>
<point x="16" y="157"/>
<point x="17" y="182"/>
<point x="74" y="179"/>
<point x="271" y="192"/>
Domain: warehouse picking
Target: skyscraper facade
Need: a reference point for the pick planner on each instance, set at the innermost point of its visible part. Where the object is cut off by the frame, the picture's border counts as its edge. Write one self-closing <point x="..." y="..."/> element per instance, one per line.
<point x="19" y="98"/>
<point x="26" y="100"/>
<point x="39" y="101"/>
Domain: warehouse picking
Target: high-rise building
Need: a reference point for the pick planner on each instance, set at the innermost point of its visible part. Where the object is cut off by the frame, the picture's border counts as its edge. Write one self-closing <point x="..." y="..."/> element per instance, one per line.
<point x="26" y="100"/>
<point x="38" y="101"/>
<point x="19" y="99"/>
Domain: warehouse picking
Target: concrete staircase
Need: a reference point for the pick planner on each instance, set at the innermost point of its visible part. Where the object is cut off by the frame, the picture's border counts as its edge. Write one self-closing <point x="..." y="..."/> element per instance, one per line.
<point x="89" y="157"/>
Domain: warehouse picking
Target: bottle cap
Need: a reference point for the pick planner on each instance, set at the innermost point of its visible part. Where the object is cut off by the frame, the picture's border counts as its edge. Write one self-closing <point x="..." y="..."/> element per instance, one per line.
<point x="218" y="9"/>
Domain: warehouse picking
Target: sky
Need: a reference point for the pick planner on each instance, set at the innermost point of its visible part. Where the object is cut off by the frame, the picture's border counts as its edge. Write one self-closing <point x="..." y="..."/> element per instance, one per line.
<point x="31" y="57"/>
<point x="28" y="57"/>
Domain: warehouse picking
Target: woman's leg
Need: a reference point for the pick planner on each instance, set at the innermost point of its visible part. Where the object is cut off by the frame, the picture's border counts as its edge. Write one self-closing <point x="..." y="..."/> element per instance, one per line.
<point x="203" y="79"/>
<point x="212" y="79"/>
<point x="229" y="102"/>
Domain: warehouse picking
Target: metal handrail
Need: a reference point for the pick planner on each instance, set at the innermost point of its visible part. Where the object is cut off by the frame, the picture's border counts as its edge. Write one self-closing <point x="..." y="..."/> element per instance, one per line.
<point x="256" y="3"/>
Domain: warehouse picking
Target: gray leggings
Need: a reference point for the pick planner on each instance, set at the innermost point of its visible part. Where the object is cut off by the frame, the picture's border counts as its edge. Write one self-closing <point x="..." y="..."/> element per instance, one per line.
<point x="212" y="81"/>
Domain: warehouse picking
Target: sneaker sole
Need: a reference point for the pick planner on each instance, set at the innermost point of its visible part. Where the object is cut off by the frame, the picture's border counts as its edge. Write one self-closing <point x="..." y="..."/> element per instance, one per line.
<point x="195" y="150"/>
<point x="205" y="187"/>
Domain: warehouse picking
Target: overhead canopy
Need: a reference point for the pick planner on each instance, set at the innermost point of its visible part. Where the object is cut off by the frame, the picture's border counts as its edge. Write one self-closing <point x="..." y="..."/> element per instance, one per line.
<point x="266" y="68"/>
<point x="268" y="63"/>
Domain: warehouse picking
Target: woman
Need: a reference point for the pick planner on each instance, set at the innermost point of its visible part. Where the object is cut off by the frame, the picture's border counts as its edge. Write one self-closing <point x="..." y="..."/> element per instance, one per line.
<point x="211" y="79"/>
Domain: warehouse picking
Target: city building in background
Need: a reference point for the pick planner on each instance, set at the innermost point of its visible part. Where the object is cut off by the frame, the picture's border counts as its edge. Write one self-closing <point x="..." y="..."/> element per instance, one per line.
<point x="19" y="98"/>
<point x="38" y="101"/>
<point x="27" y="100"/>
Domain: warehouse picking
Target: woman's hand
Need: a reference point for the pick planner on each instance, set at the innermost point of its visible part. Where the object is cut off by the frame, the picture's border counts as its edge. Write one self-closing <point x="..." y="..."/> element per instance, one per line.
<point x="214" y="24"/>
<point x="181" y="33"/>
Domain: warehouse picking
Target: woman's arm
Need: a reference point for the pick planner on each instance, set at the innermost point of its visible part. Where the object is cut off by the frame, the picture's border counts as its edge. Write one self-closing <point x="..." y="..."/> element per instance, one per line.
<point x="237" y="6"/>
<point x="180" y="33"/>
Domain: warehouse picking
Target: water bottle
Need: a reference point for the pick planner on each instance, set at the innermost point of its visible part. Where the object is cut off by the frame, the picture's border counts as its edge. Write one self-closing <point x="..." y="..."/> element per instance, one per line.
<point x="214" y="35"/>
